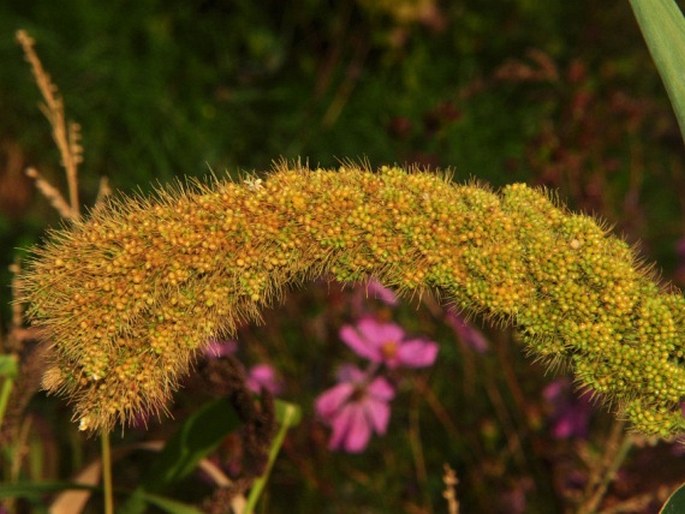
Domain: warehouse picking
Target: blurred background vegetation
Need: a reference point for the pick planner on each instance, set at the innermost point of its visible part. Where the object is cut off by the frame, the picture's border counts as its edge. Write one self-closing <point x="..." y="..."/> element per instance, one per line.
<point x="556" y="93"/>
<point x="560" y="93"/>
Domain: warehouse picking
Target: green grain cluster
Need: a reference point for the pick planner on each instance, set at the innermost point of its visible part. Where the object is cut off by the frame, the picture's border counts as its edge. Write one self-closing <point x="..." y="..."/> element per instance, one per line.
<point x="130" y="295"/>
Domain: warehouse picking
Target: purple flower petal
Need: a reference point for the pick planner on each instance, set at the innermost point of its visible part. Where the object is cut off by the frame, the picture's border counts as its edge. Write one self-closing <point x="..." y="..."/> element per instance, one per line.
<point x="329" y="403"/>
<point x="381" y="389"/>
<point x="360" y="345"/>
<point x="467" y="334"/>
<point x="358" y="430"/>
<point x="417" y="353"/>
<point x="554" y="390"/>
<point x="571" y="415"/>
<point x="355" y="409"/>
<point x="350" y="373"/>
<point x="351" y="432"/>
<point x="378" y="334"/>
<point x="263" y="376"/>
<point x="563" y="428"/>
<point x="377" y="414"/>
<point x="341" y="426"/>
<point x="382" y="293"/>
<point x="383" y="342"/>
<point x="216" y="349"/>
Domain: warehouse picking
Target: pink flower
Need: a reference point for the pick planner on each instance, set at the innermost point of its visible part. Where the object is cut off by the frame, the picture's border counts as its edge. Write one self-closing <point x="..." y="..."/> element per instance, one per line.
<point x="680" y="268"/>
<point x="372" y="289"/>
<point x="570" y="415"/>
<point x="260" y="376"/>
<point x="382" y="293"/>
<point x="355" y="408"/>
<point x="217" y="349"/>
<point x="467" y="333"/>
<point x="385" y="343"/>
<point x="263" y="376"/>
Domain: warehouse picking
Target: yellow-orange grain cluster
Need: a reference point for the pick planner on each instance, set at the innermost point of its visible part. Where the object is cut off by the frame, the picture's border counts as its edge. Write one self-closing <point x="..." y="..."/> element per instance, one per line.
<point x="128" y="296"/>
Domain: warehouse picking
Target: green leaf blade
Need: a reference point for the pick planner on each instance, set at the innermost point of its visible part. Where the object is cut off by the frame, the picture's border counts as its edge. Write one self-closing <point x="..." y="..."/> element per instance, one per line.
<point x="199" y="435"/>
<point x="663" y="26"/>
<point x="675" y="503"/>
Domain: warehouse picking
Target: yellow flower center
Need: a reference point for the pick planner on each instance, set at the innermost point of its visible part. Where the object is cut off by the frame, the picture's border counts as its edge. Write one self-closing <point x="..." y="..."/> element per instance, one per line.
<point x="389" y="349"/>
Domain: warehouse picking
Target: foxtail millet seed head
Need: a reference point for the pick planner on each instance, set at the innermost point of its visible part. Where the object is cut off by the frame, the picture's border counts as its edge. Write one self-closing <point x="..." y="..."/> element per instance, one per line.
<point x="128" y="296"/>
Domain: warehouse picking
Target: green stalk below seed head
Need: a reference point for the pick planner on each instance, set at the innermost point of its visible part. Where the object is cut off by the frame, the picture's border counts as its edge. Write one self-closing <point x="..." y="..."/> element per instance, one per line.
<point x="129" y="296"/>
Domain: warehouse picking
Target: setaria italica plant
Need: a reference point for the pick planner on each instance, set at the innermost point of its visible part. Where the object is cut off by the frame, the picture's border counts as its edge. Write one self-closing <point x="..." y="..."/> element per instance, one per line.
<point x="130" y="295"/>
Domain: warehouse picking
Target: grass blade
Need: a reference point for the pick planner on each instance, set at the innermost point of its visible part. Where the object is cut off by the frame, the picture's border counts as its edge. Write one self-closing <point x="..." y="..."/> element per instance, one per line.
<point x="663" y="26"/>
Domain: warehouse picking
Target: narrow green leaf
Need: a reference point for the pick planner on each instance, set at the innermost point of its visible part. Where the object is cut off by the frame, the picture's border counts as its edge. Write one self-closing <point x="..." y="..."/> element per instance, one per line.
<point x="663" y="26"/>
<point x="5" y="393"/>
<point x="135" y="503"/>
<point x="8" y="366"/>
<point x="199" y="435"/>
<point x="35" y="490"/>
<point x="167" y="504"/>
<point x="676" y="503"/>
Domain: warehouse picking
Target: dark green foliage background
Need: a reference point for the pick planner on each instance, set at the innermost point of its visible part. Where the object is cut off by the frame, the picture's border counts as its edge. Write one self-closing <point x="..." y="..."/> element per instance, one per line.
<point x="172" y="88"/>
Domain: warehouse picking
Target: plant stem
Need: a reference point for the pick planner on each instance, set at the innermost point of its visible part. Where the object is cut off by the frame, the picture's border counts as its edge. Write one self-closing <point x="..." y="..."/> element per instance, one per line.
<point x="107" y="472"/>
<point x="617" y="448"/>
<point x="260" y="483"/>
<point x="5" y="392"/>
